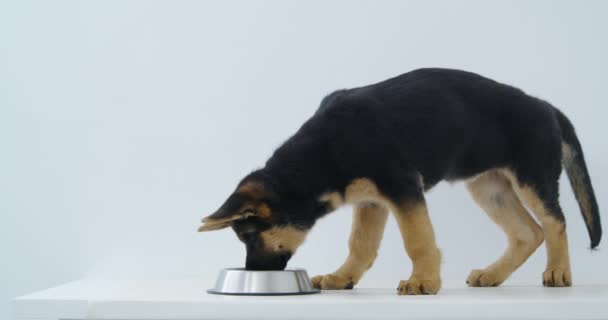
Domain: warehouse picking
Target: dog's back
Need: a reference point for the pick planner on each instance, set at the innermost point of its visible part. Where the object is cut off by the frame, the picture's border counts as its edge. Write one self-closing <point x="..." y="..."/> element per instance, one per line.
<point x="448" y="124"/>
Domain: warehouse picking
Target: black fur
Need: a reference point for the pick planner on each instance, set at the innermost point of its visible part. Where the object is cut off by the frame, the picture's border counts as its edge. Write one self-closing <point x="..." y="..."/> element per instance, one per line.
<point x="436" y="123"/>
<point x="586" y="190"/>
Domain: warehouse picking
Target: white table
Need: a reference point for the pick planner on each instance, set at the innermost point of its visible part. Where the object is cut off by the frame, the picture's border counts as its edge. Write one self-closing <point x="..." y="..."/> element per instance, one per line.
<point x="187" y="299"/>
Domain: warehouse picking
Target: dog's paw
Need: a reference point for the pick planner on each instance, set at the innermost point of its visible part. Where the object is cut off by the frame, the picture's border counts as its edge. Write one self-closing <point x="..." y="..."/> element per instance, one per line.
<point x="332" y="282"/>
<point x="557" y="278"/>
<point x="415" y="286"/>
<point x="484" y="278"/>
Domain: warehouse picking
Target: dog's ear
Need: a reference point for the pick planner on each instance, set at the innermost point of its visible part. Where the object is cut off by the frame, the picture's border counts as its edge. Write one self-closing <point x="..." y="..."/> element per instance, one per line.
<point x="221" y="219"/>
<point x="247" y="201"/>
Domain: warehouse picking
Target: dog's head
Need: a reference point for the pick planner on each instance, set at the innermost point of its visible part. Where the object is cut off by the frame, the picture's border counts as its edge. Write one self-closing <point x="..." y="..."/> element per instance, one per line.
<point x="253" y="211"/>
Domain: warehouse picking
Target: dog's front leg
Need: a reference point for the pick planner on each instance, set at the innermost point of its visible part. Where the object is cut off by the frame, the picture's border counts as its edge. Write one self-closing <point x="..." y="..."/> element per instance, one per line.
<point x="369" y="220"/>
<point x="419" y="241"/>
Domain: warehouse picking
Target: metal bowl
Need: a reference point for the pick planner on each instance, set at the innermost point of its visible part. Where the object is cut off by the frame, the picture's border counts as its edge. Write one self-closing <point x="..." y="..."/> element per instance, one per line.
<point x="238" y="281"/>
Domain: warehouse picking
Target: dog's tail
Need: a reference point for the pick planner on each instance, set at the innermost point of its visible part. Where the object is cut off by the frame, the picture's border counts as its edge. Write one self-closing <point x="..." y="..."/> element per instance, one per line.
<point x="574" y="163"/>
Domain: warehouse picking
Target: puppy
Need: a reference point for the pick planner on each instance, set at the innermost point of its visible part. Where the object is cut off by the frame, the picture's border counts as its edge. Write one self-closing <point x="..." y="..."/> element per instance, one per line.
<point x="381" y="147"/>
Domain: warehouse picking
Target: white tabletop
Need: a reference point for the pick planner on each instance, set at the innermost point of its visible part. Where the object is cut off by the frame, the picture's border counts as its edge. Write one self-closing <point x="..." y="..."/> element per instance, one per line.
<point x="187" y="299"/>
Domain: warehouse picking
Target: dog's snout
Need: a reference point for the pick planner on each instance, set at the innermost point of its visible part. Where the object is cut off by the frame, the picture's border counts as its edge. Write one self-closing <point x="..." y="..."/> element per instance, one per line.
<point x="267" y="261"/>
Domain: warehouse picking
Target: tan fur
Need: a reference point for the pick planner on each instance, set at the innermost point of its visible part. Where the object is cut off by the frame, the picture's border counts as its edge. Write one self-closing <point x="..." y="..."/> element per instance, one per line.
<point x="557" y="272"/>
<point x="284" y="238"/>
<point x="364" y="190"/>
<point x="577" y="181"/>
<point x="493" y="192"/>
<point x="260" y="210"/>
<point x="263" y="211"/>
<point x="254" y="207"/>
<point x="334" y="199"/>
<point x="367" y="230"/>
<point x="418" y="237"/>
<point x="360" y="190"/>
<point x="254" y="190"/>
<point x="419" y="241"/>
<point x="567" y="153"/>
<point x="215" y="224"/>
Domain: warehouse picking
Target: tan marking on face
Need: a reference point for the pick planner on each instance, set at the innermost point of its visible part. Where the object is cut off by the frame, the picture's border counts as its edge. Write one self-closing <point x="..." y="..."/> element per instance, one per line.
<point x="263" y="211"/>
<point x="333" y="198"/>
<point x="255" y="192"/>
<point x="253" y="189"/>
<point x="492" y="191"/>
<point x="285" y="238"/>
<point x="419" y="241"/>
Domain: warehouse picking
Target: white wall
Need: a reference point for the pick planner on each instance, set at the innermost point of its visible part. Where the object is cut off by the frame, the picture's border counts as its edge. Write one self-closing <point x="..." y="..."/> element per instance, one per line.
<point x="122" y="123"/>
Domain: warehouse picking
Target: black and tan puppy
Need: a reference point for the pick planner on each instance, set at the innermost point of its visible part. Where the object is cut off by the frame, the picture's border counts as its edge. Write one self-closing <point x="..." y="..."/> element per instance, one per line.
<point x="380" y="147"/>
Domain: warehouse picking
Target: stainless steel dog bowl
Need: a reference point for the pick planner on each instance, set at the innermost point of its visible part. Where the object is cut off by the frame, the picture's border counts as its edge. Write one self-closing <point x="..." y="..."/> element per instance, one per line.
<point x="238" y="281"/>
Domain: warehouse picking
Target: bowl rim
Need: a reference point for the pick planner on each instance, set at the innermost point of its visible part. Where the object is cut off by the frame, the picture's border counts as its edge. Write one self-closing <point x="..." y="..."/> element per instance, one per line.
<point x="292" y="293"/>
<point x="263" y="271"/>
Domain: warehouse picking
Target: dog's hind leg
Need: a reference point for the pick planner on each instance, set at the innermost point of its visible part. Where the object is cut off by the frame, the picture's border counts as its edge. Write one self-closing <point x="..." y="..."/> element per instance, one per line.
<point x="541" y="196"/>
<point x="494" y="194"/>
<point x="369" y="220"/>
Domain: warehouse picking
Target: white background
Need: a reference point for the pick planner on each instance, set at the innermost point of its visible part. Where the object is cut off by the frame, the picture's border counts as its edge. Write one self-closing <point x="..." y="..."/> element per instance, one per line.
<point x="123" y="123"/>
